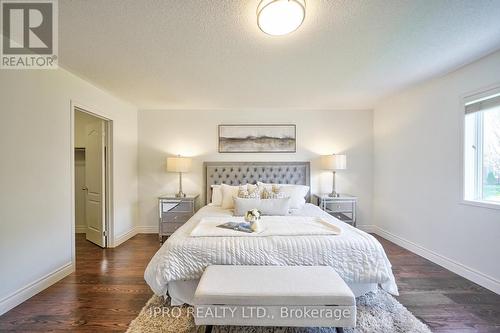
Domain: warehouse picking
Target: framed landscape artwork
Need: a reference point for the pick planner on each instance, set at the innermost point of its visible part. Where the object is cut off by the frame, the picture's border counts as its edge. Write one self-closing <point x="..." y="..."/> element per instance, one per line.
<point x="257" y="139"/>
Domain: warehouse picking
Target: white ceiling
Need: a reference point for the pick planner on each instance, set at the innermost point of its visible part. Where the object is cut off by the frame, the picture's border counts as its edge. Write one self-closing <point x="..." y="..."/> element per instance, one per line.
<point x="205" y="54"/>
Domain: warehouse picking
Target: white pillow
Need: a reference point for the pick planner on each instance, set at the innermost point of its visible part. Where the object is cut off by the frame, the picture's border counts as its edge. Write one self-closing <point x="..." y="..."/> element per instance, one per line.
<point x="243" y="205"/>
<point x="216" y="195"/>
<point x="279" y="207"/>
<point x="296" y="193"/>
<point x="228" y="192"/>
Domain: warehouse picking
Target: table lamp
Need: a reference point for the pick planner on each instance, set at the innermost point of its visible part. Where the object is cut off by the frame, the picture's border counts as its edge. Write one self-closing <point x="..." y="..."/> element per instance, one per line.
<point x="179" y="164"/>
<point x="333" y="163"/>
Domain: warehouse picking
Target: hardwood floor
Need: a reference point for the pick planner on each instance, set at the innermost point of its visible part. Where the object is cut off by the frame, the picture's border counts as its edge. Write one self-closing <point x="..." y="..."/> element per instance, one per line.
<point x="445" y="301"/>
<point x="107" y="291"/>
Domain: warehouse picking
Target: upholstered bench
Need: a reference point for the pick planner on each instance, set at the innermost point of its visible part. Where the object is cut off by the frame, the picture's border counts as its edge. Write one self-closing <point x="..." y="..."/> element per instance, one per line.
<point x="300" y="296"/>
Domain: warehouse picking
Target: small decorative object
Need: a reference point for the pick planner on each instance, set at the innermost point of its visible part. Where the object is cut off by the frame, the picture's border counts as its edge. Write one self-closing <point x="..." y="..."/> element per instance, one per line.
<point x="257" y="139"/>
<point x="253" y="217"/>
<point x="179" y="164"/>
<point x="333" y="163"/>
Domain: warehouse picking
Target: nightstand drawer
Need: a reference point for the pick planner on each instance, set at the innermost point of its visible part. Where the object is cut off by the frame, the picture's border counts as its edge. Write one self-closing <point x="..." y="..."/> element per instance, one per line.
<point x="173" y="206"/>
<point x="170" y="227"/>
<point x="171" y="217"/>
<point x="340" y="206"/>
<point x="343" y="217"/>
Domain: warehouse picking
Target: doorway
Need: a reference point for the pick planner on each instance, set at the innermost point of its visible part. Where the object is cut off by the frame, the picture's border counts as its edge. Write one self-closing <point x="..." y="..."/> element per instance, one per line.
<point x="92" y="178"/>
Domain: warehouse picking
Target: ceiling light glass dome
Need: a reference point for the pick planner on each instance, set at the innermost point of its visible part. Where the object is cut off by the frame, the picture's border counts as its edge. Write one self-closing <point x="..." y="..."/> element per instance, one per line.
<point x="280" y="17"/>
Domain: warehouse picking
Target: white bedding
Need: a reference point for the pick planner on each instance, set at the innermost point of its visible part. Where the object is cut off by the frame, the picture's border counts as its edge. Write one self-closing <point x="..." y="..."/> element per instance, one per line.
<point x="271" y="226"/>
<point x="356" y="256"/>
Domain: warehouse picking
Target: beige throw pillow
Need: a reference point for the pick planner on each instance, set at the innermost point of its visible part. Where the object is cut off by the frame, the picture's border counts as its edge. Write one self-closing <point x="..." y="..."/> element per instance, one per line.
<point x="248" y="191"/>
<point x="216" y="195"/>
<point x="271" y="191"/>
<point x="228" y="193"/>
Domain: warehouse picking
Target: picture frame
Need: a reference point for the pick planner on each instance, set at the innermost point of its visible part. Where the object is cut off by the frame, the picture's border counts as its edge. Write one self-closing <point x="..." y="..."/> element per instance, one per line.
<point x="257" y="138"/>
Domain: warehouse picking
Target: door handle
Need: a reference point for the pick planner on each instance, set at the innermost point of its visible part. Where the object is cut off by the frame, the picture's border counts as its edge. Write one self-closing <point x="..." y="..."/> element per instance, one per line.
<point x="85" y="188"/>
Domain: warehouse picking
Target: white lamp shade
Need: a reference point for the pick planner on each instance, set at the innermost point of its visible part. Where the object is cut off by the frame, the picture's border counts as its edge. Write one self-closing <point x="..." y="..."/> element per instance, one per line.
<point x="334" y="162"/>
<point x="178" y="164"/>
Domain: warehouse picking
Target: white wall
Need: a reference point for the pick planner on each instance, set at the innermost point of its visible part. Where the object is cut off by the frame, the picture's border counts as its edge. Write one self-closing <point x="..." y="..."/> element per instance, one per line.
<point x="417" y="175"/>
<point x="35" y="175"/>
<point x="194" y="133"/>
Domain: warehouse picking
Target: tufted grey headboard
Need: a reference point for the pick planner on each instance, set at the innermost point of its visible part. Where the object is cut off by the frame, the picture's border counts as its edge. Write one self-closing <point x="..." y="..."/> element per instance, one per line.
<point x="236" y="173"/>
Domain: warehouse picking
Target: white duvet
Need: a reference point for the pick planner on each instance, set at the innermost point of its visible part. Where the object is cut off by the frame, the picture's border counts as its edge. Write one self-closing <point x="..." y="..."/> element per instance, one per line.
<point x="269" y="225"/>
<point x="356" y="256"/>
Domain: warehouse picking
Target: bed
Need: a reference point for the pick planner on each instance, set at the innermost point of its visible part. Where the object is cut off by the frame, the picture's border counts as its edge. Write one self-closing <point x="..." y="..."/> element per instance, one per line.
<point x="355" y="255"/>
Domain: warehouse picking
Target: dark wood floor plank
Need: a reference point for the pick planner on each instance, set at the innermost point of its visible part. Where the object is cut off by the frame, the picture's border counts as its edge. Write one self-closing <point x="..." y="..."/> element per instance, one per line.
<point x="108" y="290"/>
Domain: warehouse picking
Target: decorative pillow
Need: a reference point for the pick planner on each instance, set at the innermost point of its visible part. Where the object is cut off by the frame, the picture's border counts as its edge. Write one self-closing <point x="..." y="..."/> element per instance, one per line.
<point x="228" y="193"/>
<point x="242" y="192"/>
<point x="265" y="193"/>
<point x="271" y="191"/>
<point x="216" y="195"/>
<point x="248" y="191"/>
<point x="266" y="206"/>
<point x="253" y="190"/>
<point x="296" y="193"/>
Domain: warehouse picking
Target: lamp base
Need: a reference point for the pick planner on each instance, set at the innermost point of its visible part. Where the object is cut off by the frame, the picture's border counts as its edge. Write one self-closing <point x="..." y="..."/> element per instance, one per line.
<point x="334" y="193"/>
<point x="180" y="194"/>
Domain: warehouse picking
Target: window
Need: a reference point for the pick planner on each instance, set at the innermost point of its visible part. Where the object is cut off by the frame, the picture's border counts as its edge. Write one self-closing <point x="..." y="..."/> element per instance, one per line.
<point x="482" y="148"/>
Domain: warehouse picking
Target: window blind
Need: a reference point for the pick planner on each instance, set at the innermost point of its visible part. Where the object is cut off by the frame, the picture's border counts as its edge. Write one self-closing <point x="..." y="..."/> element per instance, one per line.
<point x="484" y="104"/>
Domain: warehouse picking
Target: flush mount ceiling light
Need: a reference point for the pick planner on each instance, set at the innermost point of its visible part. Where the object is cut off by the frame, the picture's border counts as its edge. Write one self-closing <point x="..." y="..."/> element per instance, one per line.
<point x="280" y="17"/>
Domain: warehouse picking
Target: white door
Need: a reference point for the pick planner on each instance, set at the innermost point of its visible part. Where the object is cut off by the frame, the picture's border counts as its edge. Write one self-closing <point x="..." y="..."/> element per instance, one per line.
<point x="80" y="193"/>
<point x="95" y="209"/>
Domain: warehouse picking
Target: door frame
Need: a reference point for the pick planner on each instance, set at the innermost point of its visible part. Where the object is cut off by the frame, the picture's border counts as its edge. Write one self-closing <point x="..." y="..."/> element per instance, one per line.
<point x="109" y="210"/>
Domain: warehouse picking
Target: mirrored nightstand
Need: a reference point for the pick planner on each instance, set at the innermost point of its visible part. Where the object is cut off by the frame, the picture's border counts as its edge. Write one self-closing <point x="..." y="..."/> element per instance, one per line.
<point x="174" y="212"/>
<point x="342" y="207"/>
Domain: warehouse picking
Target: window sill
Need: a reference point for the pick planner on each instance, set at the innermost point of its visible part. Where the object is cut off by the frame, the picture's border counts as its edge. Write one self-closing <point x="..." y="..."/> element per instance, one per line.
<point x="484" y="204"/>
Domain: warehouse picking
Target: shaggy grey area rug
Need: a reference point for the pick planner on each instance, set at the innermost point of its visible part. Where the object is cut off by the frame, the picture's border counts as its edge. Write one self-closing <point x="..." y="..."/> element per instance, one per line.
<point x="377" y="312"/>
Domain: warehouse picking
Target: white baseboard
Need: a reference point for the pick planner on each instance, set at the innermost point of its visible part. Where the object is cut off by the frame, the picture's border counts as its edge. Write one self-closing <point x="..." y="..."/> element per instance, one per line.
<point x="124" y="237"/>
<point x="35" y="287"/>
<point x="369" y="228"/>
<point x="140" y="229"/>
<point x="147" y="229"/>
<point x="469" y="273"/>
<point x="80" y="229"/>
